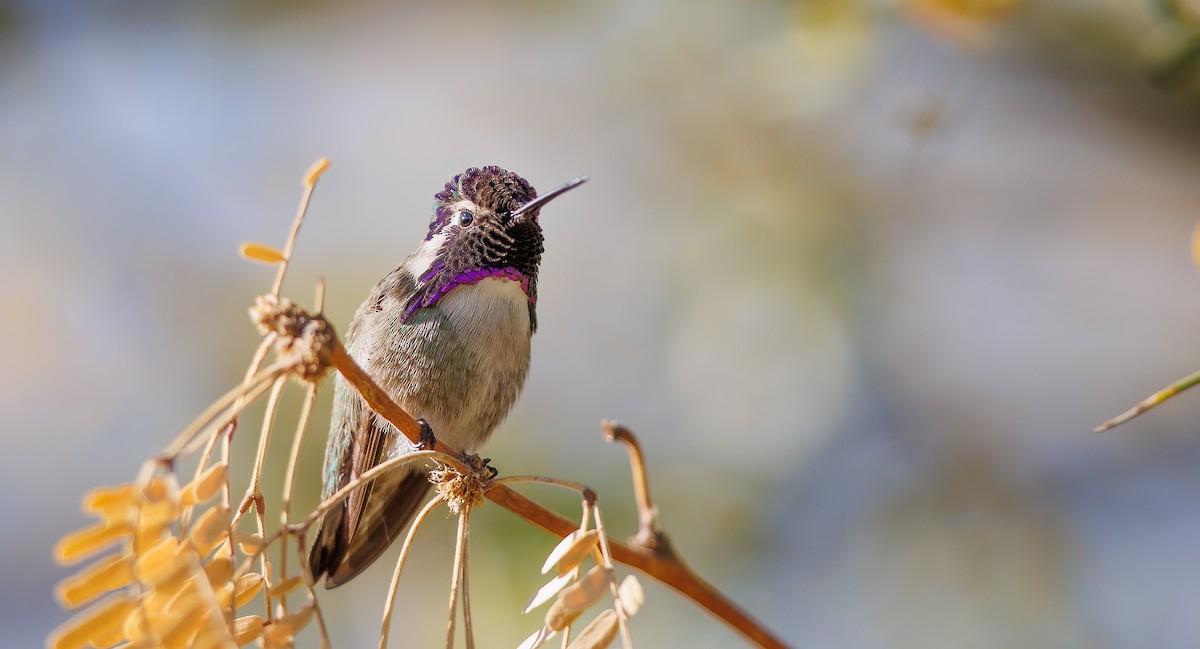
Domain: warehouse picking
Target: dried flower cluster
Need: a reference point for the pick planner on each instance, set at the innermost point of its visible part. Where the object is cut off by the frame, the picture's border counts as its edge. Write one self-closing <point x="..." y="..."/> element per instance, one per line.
<point x="168" y="584"/>
<point x="578" y="594"/>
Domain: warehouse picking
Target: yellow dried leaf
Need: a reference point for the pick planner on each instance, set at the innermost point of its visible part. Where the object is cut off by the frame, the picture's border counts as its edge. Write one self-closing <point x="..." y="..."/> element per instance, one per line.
<point x="206" y="486"/>
<point x="286" y="586"/>
<point x="218" y="571"/>
<point x="247" y="629"/>
<point x="586" y="591"/>
<point x="560" y="616"/>
<point x="189" y="622"/>
<point x="249" y="543"/>
<point x="246" y="587"/>
<point x="262" y="252"/>
<point x="599" y="633"/>
<point x="1196" y="245"/>
<point x="630" y="596"/>
<point x="544" y="593"/>
<point x="296" y="621"/>
<point x="105" y="501"/>
<point x="159" y="562"/>
<point x="152" y="517"/>
<point x="83" y="543"/>
<point x="538" y="638"/>
<point x="571" y="551"/>
<point x="315" y="171"/>
<point x="135" y="626"/>
<point x="97" y="621"/>
<point x="159" y="489"/>
<point x="214" y="639"/>
<point x="277" y="637"/>
<point x="211" y="528"/>
<point x="106" y="574"/>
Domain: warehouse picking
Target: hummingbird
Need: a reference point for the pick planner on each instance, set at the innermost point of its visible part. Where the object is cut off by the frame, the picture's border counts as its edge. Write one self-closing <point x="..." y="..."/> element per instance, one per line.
<point x="447" y="335"/>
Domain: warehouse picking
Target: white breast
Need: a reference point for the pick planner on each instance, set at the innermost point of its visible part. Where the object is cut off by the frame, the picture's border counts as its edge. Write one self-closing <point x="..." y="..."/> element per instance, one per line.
<point x="492" y="322"/>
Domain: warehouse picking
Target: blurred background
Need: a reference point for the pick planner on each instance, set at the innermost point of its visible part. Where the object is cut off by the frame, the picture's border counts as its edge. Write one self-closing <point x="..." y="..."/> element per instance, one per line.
<point x="862" y="275"/>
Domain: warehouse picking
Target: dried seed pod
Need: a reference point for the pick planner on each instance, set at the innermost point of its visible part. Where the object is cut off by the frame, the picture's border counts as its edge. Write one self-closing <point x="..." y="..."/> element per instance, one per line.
<point x="599" y="633"/>
<point x="207" y="485"/>
<point x="262" y="252"/>
<point x="189" y="619"/>
<point x="551" y="589"/>
<point x="96" y="622"/>
<point x="246" y="587"/>
<point x="215" y="639"/>
<point x="159" y="562"/>
<point x="159" y="489"/>
<point x="586" y="591"/>
<point x="210" y="529"/>
<point x="218" y="571"/>
<point x="296" y="621"/>
<point x="101" y="577"/>
<point x="104" y="501"/>
<point x="249" y="543"/>
<point x="315" y="171"/>
<point x="286" y="586"/>
<point x="538" y="638"/>
<point x="88" y="541"/>
<point x="630" y="596"/>
<point x="571" y="551"/>
<point x="247" y="629"/>
<point x="560" y="616"/>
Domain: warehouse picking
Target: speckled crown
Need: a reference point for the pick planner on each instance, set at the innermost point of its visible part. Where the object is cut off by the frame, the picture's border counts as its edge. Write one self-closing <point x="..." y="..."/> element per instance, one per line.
<point x="491" y="188"/>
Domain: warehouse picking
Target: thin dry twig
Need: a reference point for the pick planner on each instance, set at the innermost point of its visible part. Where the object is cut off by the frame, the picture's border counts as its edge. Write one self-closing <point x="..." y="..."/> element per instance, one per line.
<point x="408" y="541"/>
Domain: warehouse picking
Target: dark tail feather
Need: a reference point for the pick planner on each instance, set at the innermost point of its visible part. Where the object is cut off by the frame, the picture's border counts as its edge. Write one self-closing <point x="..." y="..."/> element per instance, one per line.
<point x="385" y="515"/>
<point x="329" y="546"/>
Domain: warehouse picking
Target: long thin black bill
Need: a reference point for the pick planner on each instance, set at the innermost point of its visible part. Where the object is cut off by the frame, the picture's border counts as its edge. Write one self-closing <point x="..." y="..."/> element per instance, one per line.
<point x="533" y="205"/>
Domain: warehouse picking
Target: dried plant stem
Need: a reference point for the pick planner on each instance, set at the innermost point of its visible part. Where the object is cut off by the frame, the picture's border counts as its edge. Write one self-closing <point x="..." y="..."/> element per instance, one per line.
<point x="650" y="535"/>
<point x="248" y="391"/>
<point x="408" y="540"/>
<point x="670" y="570"/>
<point x="289" y="481"/>
<point x="606" y="556"/>
<point x="588" y="493"/>
<point x="468" y="627"/>
<point x="310" y="183"/>
<point x="455" y="576"/>
<point x="375" y="471"/>
<point x="1150" y="402"/>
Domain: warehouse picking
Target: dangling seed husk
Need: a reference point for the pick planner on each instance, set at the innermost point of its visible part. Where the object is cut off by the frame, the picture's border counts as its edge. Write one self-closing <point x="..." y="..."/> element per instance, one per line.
<point x="211" y="529"/>
<point x="559" y="616"/>
<point x="599" y="633"/>
<point x="159" y="562"/>
<point x="630" y="596"/>
<point x="262" y="252"/>
<point x="105" y="501"/>
<point x="88" y="541"/>
<point x="583" y="594"/>
<point x="249" y="543"/>
<point x="246" y="587"/>
<point x="551" y="589"/>
<point x="538" y="638"/>
<point x="101" y="577"/>
<point x="206" y="486"/>
<point x="247" y="629"/>
<point x="218" y="571"/>
<point x="571" y="551"/>
<point x="286" y="586"/>
<point x="77" y="632"/>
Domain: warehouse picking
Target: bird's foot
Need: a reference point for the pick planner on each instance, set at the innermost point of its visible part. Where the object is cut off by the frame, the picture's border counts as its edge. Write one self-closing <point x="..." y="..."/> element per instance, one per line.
<point x="479" y="464"/>
<point x="428" y="441"/>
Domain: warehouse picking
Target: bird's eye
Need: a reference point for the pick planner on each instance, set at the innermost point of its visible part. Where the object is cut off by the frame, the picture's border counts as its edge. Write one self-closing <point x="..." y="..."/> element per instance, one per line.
<point x="465" y="218"/>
